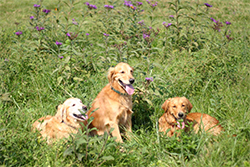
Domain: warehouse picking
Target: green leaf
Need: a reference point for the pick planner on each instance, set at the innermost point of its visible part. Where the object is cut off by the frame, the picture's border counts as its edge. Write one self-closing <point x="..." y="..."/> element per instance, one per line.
<point x="108" y="158"/>
<point x="68" y="151"/>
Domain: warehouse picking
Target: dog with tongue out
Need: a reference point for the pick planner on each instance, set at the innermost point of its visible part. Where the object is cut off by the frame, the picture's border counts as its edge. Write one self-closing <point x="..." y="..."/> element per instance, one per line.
<point x="112" y="108"/>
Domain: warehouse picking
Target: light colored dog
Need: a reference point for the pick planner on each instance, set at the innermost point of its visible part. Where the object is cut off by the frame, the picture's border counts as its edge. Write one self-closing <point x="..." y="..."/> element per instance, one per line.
<point x="113" y="105"/>
<point x="66" y="121"/>
<point x="178" y="108"/>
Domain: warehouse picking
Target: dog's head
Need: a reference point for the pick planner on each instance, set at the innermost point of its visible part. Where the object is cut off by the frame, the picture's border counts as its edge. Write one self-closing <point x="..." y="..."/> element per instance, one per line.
<point x="72" y="110"/>
<point x="178" y="107"/>
<point x="122" y="76"/>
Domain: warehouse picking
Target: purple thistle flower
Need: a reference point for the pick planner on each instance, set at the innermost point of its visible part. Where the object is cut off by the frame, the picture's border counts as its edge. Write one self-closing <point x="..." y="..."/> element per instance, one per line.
<point x="39" y="28"/>
<point x="167" y="25"/>
<point x="109" y="6"/>
<point x="149" y="79"/>
<point x="228" y="23"/>
<point x="208" y="5"/>
<point x="133" y="7"/>
<point x="37" y="6"/>
<point x="46" y="11"/>
<point x="171" y="16"/>
<point x="146" y="36"/>
<point x="72" y="36"/>
<point x="128" y="3"/>
<point x="74" y="22"/>
<point x="58" y="43"/>
<point x="90" y="6"/>
<point x="18" y="33"/>
<point x="87" y="34"/>
<point x="139" y="3"/>
<point x="68" y="34"/>
<point x="141" y="22"/>
<point x="32" y="17"/>
<point x="213" y="19"/>
<point x="105" y="34"/>
<point x="60" y="56"/>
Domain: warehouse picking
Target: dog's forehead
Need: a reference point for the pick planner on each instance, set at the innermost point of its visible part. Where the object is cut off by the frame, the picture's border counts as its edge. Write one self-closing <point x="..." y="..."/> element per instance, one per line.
<point x="123" y="66"/>
<point x="72" y="101"/>
<point x="178" y="100"/>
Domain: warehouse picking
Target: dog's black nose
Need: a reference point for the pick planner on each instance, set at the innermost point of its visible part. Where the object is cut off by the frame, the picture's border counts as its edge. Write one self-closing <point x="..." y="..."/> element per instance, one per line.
<point x="84" y="107"/>
<point x="180" y="114"/>
<point x="131" y="80"/>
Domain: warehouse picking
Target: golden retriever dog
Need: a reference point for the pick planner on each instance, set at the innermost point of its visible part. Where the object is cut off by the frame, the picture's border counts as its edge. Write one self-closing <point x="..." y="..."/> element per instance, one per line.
<point x="178" y="108"/>
<point x="66" y="121"/>
<point x="112" y="108"/>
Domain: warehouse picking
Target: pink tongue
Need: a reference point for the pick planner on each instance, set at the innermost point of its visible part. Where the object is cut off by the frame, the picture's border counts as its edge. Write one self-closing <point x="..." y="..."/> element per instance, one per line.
<point x="183" y="125"/>
<point x="130" y="89"/>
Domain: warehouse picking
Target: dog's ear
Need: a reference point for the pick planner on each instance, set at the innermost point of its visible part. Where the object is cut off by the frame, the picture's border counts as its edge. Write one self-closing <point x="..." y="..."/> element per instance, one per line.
<point x="189" y="105"/>
<point x="61" y="112"/>
<point x="165" y="105"/>
<point x="111" y="73"/>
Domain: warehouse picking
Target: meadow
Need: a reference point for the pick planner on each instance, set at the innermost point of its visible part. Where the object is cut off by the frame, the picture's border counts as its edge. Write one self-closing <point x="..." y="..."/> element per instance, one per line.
<point x="53" y="50"/>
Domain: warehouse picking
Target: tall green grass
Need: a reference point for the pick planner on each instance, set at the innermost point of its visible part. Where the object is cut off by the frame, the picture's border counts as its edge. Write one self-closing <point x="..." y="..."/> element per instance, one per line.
<point x="188" y="58"/>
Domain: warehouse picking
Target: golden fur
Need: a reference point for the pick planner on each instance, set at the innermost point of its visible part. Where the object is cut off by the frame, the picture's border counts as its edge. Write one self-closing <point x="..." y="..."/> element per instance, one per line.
<point x="178" y="108"/>
<point x="67" y="120"/>
<point x="112" y="109"/>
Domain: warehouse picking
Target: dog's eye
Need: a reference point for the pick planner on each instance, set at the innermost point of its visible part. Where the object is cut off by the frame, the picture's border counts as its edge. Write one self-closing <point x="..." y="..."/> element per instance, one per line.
<point x="131" y="71"/>
<point x="73" y="105"/>
<point x="183" y="105"/>
<point x="174" y="106"/>
<point x="122" y="72"/>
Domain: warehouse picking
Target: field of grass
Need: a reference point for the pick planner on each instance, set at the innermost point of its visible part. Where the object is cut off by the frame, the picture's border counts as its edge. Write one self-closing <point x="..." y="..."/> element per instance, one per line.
<point x="205" y="60"/>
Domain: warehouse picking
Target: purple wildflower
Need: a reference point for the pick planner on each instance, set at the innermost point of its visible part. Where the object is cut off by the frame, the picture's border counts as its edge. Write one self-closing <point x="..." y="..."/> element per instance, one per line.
<point x="149" y="79"/>
<point x="74" y="22"/>
<point x="167" y="25"/>
<point x="60" y="56"/>
<point x="37" y="6"/>
<point x="213" y="19"/>
<point x="32" y="17"/>
<point x="139" y="3"/>
<point x="228" y="23"/>
<point x="58" y="43"/>
<point x="18" y="33"/>
<point x="133" y="7"/>
<point x="46" y="11"/>
<point x="105" y="34"/>
<point x="90" y="6"/>
<point x="141" y="22"/>
<point x="128" y="3"/>
<point x="87" y="34"/>
<point x="208" y="5"/>
<point x="171" y="16"/>
<point x="6" y="59"/>
<point x="146" y="36"/>
<point x="229" y="38"/>
<point x="109" y="6"/>
<point x="72" y="35"/>
<point x="39" y="28"/>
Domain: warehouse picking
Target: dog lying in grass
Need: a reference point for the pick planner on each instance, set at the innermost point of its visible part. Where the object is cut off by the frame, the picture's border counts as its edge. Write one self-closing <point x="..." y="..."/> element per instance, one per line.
<point x="112" y="108"/>
<point x="66" y="121"/>
<point x="178" y="108"/>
